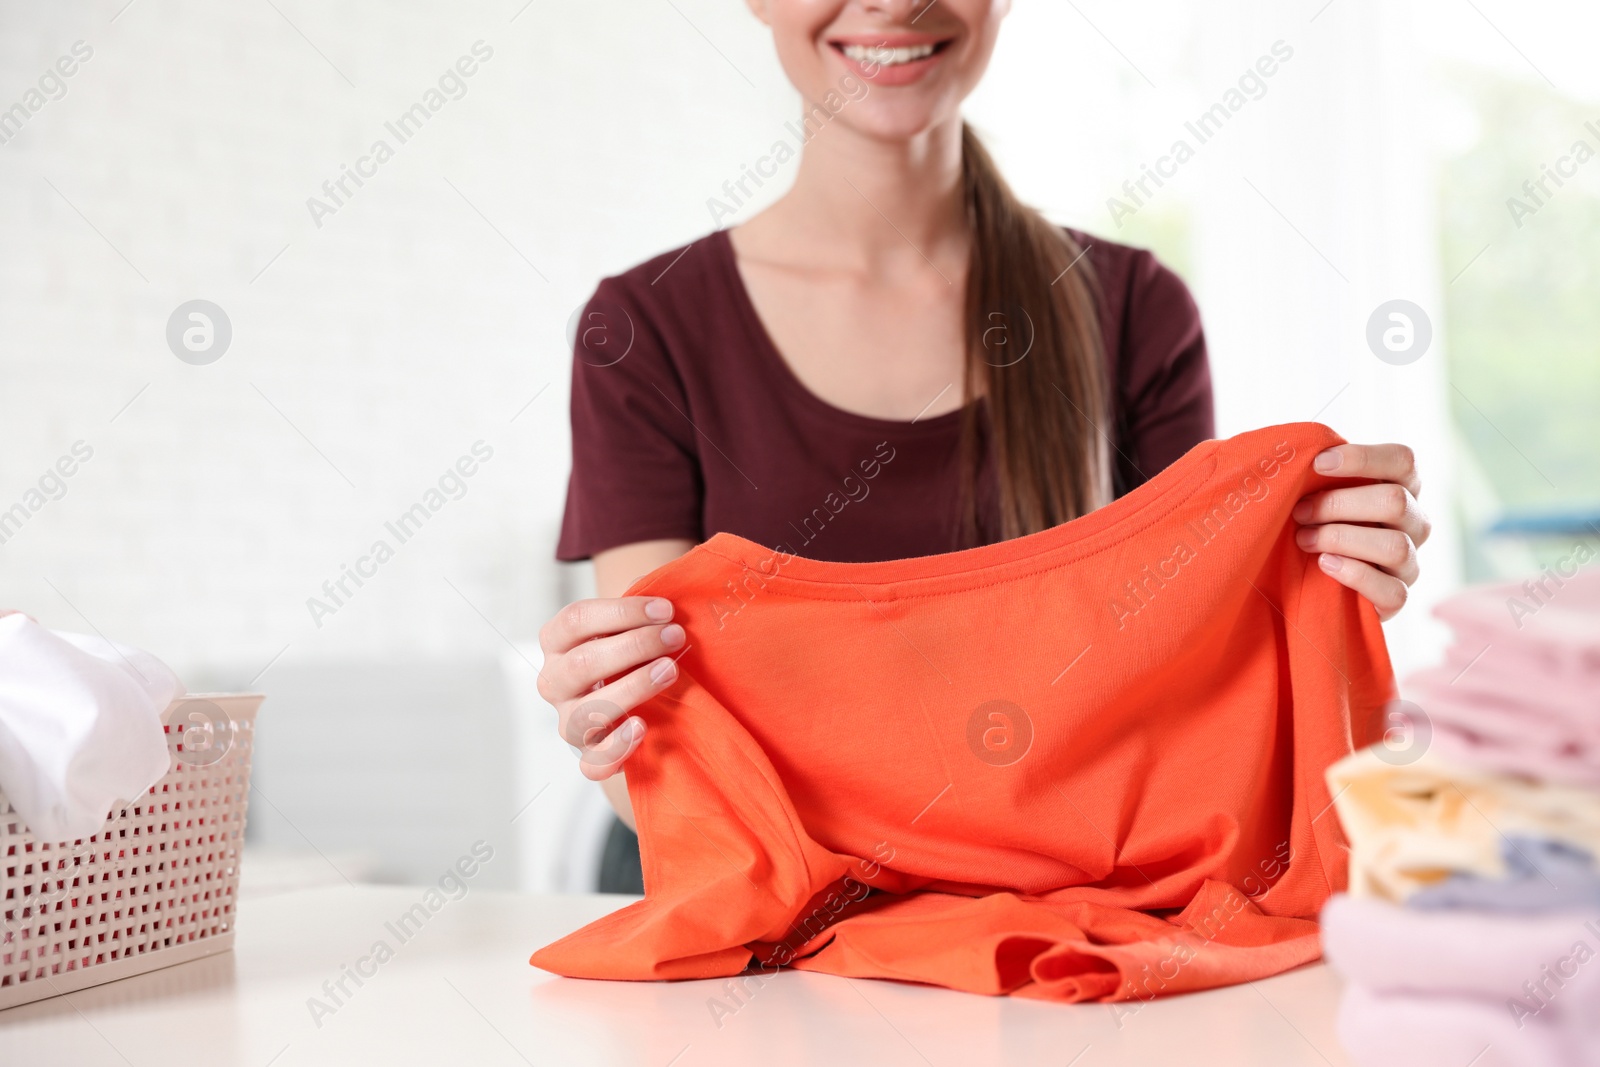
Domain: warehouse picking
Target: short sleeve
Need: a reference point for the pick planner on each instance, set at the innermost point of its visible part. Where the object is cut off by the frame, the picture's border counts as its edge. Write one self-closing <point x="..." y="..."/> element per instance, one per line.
<point x="1165" y="404"/>
<point x="635" y="467"/>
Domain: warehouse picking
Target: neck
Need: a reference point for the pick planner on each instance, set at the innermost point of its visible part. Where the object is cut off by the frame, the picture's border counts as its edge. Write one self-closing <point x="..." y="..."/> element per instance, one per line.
<point x="867" y="198"/>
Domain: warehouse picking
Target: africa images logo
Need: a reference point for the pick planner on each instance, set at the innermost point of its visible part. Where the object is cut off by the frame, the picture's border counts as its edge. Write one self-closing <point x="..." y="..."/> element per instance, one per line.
<point x="999" y="732"/>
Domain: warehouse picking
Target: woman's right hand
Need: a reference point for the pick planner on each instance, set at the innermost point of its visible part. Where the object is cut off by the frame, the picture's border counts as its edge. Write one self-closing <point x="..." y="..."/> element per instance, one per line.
<point x="589" y="641"/>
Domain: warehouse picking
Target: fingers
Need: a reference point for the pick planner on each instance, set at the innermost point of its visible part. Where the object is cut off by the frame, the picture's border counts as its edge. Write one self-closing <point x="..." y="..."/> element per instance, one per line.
<point x="1385" y="503"/>
<point x="589" y="717"/>
<point x="1384" y="463"/>
<point x="587" y="723"/>
<point x="585" y="619"/>
<point x="1387" y="549"/>
<point x="579" y="671"/>
<point x="590" y="641"/>
<point x="1367" y="536"/>
<point x="601" y="761"/>
<point x="1386" y="592"/>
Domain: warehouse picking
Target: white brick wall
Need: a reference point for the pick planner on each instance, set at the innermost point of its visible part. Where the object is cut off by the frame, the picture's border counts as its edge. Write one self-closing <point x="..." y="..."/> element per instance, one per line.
<point x="393" y="337"/>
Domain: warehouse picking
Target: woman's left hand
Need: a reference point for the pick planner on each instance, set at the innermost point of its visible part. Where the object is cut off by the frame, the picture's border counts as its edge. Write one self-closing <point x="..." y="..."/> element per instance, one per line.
<point x="1367" y="534"/>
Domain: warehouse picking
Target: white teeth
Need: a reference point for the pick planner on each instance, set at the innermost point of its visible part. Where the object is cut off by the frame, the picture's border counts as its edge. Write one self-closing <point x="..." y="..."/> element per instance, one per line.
<point x="887" y="57"/>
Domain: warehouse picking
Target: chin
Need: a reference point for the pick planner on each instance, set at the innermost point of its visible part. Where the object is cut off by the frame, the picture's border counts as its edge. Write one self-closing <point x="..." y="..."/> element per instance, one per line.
<point x="890" y="122"/>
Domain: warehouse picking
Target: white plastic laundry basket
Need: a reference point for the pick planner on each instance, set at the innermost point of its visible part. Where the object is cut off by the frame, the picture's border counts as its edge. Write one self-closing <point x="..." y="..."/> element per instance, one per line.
<point x="156" y="886"/>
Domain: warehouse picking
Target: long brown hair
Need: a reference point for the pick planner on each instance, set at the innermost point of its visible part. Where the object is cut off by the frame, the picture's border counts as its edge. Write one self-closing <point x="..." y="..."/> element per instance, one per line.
<point x="1035" y="352"/>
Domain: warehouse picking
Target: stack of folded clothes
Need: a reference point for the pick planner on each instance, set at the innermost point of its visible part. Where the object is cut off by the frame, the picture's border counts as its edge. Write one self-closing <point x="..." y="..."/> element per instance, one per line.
<point x="1470" y="933"/>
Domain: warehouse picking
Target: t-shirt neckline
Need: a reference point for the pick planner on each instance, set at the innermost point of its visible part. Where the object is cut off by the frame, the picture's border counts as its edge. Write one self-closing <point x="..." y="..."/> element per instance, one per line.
<point x="1105" y="527"/>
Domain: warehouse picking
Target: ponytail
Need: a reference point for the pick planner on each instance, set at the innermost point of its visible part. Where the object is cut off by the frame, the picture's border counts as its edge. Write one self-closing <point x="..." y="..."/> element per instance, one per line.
<point x="1034" y="350"/>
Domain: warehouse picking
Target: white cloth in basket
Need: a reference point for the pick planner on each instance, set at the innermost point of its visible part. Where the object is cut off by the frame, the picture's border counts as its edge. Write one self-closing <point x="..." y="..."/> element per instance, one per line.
<point x="80" y="726"/>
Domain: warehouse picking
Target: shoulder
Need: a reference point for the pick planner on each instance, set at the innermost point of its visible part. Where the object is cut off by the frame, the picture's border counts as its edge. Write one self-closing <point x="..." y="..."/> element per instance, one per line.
<point x="1149" y="319"/>
<point x="1134" y="283"/>
<point x="674" y="315"/>
<point x="671" y="283"/>
<point x="1155" y="350"/>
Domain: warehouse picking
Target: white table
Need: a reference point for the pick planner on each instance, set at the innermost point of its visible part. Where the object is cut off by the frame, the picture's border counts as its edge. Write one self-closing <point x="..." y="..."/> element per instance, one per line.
<point x="460" y="991"/>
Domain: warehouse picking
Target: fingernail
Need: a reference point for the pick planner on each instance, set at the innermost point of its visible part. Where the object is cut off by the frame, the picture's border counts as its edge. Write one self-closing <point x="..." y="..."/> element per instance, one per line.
<point x="1306" y="538"/>
<point x="658" y="609"/>
<point x="1302" y="511"/>
<point x="662" y="670"/>
<point x="1327" y="461"/>
<point x="635" y="730"/>
<point x="1330" y="563"/>
<point x="672" y="636"/>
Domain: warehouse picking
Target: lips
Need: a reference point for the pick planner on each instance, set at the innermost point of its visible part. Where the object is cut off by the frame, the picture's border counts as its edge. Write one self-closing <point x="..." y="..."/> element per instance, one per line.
<point x="891" y="59"/>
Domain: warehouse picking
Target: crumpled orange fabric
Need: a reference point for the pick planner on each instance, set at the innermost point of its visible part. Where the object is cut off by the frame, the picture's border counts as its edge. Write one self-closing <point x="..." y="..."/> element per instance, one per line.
<point x="1085" y="764"/>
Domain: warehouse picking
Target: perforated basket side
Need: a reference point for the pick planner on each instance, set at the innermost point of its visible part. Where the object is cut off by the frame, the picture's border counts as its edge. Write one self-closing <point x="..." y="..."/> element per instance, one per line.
<point x="159" y="882"/>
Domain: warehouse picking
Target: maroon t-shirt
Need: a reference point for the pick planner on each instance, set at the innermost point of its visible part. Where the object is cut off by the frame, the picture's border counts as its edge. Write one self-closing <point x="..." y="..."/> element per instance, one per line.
<point x="686" y="421"/>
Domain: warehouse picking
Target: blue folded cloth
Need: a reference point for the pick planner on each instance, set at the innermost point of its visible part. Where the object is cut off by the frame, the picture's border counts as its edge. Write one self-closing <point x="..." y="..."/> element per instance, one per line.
<point x="1541" y="875"/>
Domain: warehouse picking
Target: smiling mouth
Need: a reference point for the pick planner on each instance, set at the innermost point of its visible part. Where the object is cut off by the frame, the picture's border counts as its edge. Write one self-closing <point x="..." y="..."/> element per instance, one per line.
<point x="884" y="56"/>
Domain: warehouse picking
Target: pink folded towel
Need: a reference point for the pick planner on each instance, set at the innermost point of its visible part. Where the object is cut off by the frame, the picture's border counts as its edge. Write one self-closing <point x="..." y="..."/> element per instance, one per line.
<point x="1416" y="1030"/>
<point x="1520" y="689"/>
<point x="1450" y="988"/>
<point x="1561" y="620"/>
<point x="1389" y="948"/>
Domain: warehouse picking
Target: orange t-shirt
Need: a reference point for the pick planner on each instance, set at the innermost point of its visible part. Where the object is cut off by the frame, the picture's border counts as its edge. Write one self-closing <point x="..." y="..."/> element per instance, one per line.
<point x="1085" y="764"/>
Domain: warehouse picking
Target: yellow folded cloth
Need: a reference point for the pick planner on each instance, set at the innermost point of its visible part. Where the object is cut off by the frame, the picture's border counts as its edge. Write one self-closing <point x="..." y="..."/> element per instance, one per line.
<point x="1416" y="824"/>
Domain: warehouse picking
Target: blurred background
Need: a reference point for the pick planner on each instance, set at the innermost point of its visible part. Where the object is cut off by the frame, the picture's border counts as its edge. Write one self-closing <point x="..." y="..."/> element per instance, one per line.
<point x="366" y="342"/>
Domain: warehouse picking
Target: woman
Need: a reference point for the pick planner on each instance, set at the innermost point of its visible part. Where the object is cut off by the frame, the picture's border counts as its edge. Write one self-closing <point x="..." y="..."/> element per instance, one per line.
<point x="895" y="359"/>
